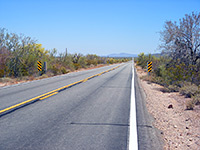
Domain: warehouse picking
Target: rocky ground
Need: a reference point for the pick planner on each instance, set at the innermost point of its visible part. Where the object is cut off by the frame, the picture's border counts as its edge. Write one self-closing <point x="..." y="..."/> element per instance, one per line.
<point x="180" y="128"/>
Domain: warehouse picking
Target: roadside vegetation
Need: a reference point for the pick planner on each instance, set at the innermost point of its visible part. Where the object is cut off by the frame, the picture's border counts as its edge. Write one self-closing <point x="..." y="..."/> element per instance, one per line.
<point x="19" y="55"/>
<point x="178" y="66"/>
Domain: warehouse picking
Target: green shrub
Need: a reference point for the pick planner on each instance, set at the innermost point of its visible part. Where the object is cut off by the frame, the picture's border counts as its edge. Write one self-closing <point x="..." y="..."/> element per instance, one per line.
<point x="161" y="71"/>
<point x="82" y="62"/>
<point x="77" y="66"/>
<point x="160" y="80"/>
<point x="1" y="72"/>
<point x="143" y="59"/>
<point x="55" y="69"/>
<point x="63" y="70"/>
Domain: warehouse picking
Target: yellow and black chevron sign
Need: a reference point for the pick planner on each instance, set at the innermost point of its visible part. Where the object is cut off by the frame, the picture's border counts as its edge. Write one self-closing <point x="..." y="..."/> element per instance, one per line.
<point x="149" y="66"/>
<point x="39" y="65"/>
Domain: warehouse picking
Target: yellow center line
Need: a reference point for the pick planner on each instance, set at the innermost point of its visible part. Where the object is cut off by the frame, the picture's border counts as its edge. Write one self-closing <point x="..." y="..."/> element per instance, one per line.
<point x="85" y="80"/>
<point x="53" y="92"/>
<point x="14" y="106"/>
<point x="48" y="95"/>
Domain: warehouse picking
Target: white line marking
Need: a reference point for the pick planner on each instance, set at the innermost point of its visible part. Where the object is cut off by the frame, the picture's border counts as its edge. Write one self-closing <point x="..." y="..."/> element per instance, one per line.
<point x="133" y="141"/>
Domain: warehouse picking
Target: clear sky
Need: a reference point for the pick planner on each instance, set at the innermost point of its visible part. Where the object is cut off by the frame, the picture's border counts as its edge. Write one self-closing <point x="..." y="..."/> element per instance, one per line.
<point x="94" y="26"/>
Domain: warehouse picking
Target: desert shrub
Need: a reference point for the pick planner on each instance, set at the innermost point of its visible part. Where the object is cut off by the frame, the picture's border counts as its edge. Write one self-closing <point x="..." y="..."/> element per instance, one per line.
<point x="146" y="78"/>
<point x="190" y="105"/>
<point x="6" y="79"/>
<point x="55" y="69"/>
<point x="82" y="62"/>
<point x="173" y="88"/>
<point x="42" y="77"/>
<point x="67" y="71"/>
<point x="31" y="78"/>
<point x="160" y="80"/>
<point x="153" y="79"/>
<point x="179" y="72"/>
<point x="142" y="60"/>
<point x="77" y="66"/>
<point x="111" y="61"/>
<point x="91" y="66"/>
<point x="68" y="62"/>
<point x="1" y="72"/>
<point x="49" y="73"/>
<point x="63" y="70"/>
<point x="161" y="71"/>
<point x="196" y="99"/>
<point x="23" y="78"/>
<point x="189" y="89"/>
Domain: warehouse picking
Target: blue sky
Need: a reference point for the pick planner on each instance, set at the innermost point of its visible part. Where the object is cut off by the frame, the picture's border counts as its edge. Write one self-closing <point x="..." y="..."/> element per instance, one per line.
<point x="94" y="26"/>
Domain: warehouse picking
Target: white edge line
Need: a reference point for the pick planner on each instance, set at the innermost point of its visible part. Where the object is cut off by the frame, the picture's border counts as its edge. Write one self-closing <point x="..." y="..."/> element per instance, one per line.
<point x="133" y="139"/>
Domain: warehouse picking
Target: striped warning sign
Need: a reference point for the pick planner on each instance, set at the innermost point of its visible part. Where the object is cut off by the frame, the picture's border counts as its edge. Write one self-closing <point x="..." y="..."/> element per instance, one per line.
<point x="39" y="65"/>
<point x="149" y="66"/>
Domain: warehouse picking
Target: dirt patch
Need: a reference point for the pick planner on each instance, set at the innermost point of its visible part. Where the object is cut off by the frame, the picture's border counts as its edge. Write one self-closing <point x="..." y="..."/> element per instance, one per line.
<point x="180" y="128"/>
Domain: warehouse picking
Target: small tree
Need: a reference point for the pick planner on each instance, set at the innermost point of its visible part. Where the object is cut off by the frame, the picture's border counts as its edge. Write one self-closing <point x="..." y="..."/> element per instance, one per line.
<point x="181" y="40"/>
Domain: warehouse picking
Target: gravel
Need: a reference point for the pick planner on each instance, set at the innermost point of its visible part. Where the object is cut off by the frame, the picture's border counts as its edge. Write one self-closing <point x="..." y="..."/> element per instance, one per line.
<point x="180" y="128"/>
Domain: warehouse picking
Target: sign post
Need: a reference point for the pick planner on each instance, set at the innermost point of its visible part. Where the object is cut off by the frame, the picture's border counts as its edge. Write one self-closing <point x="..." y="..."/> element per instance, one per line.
<point x="45" y="67"/>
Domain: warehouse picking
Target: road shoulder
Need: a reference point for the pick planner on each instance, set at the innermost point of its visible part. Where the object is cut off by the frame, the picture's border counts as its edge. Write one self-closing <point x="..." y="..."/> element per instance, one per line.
<point x="179" y="127"/>
<point x="149" y="137"/>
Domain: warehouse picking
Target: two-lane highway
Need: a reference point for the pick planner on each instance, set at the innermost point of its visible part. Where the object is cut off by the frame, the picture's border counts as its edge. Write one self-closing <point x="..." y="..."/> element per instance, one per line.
<point x="91" y="115"/>
<point x="11" y="95"/>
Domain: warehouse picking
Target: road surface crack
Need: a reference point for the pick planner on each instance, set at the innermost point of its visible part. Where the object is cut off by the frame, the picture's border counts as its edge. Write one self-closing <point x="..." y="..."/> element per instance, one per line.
<point x="99" y="124"/>
<point x="147" y="126"/>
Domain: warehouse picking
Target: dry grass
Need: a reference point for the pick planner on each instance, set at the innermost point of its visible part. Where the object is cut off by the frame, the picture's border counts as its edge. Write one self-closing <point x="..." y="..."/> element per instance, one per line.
<point x="189" y="90"/>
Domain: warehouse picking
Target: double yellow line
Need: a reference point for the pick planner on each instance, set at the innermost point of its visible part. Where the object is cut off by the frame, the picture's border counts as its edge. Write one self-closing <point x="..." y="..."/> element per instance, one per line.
<point x="51" y="93"/>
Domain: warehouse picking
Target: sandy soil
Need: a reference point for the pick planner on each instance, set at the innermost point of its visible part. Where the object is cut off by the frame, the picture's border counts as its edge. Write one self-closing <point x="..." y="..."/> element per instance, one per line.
<point x="180" y="128"/>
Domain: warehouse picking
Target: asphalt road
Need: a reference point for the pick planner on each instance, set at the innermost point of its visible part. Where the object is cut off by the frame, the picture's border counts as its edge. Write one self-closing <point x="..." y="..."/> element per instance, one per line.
<point x="92" y="115"/>
<point x="11" y="95"/>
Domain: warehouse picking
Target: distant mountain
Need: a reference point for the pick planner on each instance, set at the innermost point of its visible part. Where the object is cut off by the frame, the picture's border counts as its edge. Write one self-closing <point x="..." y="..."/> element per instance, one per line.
<point x="158" y="54"/>
<point x="122" y="55"/>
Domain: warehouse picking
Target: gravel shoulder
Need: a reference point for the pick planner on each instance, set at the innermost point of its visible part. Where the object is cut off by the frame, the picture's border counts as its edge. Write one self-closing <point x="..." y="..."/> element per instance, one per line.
<point x="180" y="128"/>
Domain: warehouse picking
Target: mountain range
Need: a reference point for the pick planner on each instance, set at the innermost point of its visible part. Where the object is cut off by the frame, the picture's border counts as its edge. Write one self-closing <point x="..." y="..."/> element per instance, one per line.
<point x="122" y="55"/>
